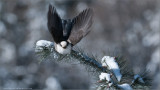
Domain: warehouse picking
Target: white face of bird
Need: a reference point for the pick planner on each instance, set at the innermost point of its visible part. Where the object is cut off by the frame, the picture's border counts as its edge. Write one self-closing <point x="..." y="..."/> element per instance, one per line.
<point x="63" y="44"/>
<point x="63" y="47"/>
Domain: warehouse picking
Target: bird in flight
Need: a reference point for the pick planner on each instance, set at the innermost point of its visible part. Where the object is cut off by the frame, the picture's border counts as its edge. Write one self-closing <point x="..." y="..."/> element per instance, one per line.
<point x="67" y="33"/>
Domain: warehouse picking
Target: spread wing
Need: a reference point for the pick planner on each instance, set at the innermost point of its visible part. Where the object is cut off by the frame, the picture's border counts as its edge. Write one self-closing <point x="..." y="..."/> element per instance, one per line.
<point x="55" y="24"/>
<point x="81" y="25"/>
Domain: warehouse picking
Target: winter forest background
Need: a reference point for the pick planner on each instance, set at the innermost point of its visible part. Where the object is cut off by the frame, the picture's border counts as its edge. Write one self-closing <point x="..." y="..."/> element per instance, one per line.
<point x="128" y="27"/>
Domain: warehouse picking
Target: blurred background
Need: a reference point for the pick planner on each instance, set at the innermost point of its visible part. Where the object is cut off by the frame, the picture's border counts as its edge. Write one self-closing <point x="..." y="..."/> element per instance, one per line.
<point x="129" y="27"/>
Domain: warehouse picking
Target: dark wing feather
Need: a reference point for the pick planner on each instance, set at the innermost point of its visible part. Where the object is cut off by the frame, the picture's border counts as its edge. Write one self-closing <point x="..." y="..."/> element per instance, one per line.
<point x="55" y="24"/>
<point x="81" y="27"/>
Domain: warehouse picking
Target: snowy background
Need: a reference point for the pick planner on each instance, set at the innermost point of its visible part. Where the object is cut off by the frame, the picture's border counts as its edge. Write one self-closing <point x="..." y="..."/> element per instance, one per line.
<point x="128" y="27"/>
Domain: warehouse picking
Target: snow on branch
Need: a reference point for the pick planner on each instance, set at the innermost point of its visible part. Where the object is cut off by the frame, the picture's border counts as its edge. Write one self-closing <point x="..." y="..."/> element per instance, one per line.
<point x="112" y="70"/>
<point x="112" y="65"/>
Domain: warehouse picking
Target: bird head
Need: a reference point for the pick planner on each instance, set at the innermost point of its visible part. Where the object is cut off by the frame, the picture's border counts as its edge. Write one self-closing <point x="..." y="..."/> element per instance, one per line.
<point x="63" y="44"/>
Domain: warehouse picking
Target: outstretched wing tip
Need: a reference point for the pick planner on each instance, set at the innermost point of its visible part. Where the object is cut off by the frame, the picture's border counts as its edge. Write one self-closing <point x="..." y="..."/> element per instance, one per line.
<point x="51" y="9"/>
<point x="54" y="24"/>
<point x="82" y="23"/>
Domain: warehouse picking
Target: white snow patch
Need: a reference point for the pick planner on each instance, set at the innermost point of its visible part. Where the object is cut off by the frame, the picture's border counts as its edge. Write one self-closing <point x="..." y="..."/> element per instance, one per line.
<point x="44" y="44"/>
<point x="105" y="76"/>
<point x="111" y="63"/>
<point x="125" y="86"/>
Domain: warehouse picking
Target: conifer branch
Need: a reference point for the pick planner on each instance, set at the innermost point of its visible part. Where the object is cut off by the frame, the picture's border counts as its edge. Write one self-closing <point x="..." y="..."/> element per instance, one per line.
<point x="115" y="74"/>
